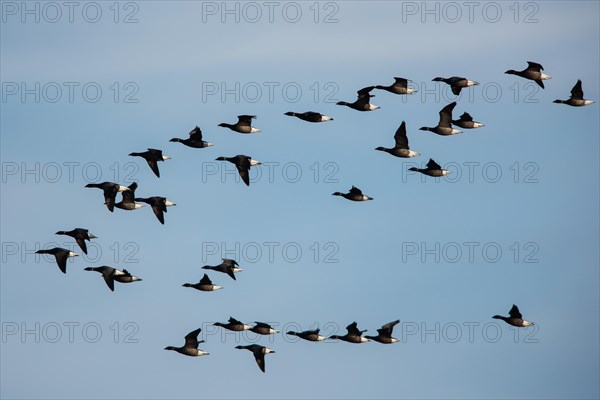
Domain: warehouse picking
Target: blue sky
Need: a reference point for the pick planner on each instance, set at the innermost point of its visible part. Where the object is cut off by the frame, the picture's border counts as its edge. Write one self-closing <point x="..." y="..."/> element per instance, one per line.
<point x="517" y="222"/>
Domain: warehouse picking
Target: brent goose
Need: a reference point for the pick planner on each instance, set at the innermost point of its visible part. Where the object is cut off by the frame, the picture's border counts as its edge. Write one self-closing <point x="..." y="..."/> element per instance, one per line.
<point x="576" y="99"/>
<point x="433" y="169"/>
<point x="204" y="285"/>
<point x="243" y="125"/>
<point x="443" y="127"/>
<point x="311" y="336"/>
<point x="233" y="325"/>
<point x="195" y="139"/>
<point x="259" y="353"/>
<point x="152" y="156"/>
<point x="263" y="329"/>
<point x="353" y="335"/>
<point x="400" y="86"/>
<point x="385" y="333"/>
<point x="515" y="319"/>
<point x="243" y="164"/>
<point x="128" y="201"/>
<point x="532" y="72"/>
<point x="80" y="235"/>
<point x="401" y="148"/>
<point x="111" y="275"/>
<point x="159" y="205"/>
<point x="61" y="256"/>
<point x="362" y="100"/>
<point x="110" y="190"/>
<point x="466" y="121"/>
<point x="355" y="194"/>
<point x="310" y="116"/>
<point x="190" y="348"/>
<point x="228" y="267"/>
<point x="456" y="83"/>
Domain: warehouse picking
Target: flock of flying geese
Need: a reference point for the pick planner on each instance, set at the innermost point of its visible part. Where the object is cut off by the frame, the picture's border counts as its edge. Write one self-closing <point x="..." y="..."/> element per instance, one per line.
<point x="243" y="164"/>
